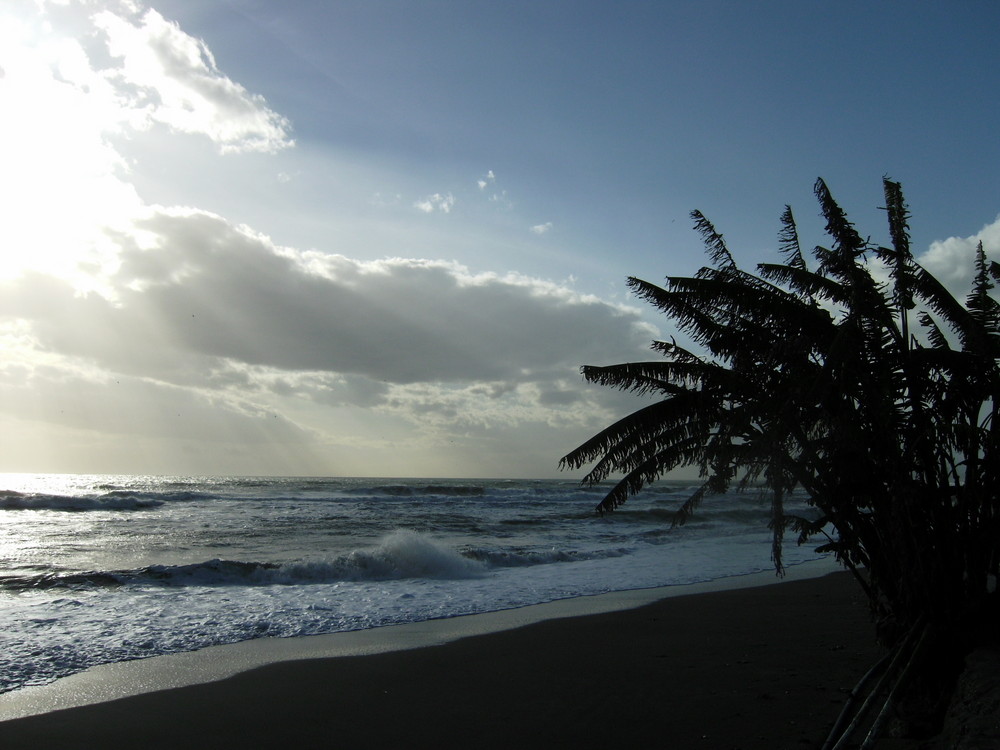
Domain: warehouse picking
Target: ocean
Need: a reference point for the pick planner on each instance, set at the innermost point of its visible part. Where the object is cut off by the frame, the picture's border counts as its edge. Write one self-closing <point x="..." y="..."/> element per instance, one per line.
<point x="99" y="569"/>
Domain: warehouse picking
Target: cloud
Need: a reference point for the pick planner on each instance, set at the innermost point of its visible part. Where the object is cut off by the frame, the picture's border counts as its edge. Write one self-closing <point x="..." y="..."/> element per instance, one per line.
<point x="77" y="86"/>
<point x="952" y="260"/>
<point x="142" y="337"/>
<point x="436" y="202"/>
<point x="542" y="228"/>
<point x="164" y="75"/>
<point x="489" y="180"/>
<point x="484" y="182"/>
<point x="208" y="330"/>
<point x="197" y="287"/>
<point x="135" y="406"/>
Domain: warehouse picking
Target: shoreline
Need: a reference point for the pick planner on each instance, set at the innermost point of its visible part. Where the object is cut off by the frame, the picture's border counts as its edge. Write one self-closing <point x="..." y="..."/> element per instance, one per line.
<point x="112" y="681"/>
<point x="753" y="662"/>
<point x="754" y="668"/>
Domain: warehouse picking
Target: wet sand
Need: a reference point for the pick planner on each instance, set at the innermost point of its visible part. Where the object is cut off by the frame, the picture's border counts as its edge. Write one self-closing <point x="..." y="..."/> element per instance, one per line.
<point x="765" y="667"/>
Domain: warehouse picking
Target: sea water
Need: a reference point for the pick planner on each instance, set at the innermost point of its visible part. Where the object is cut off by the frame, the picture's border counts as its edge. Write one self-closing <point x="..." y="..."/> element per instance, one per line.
<point x="98" y="569"/>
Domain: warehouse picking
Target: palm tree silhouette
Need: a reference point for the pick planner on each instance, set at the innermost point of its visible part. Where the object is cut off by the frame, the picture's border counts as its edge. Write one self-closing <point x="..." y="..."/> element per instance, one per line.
<point x="873" y="397"/>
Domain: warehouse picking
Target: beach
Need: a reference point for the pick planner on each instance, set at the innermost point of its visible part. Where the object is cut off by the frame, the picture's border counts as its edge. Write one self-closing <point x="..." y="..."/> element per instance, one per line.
<point x="98" y="570"/>
<point x="760" y="667"/>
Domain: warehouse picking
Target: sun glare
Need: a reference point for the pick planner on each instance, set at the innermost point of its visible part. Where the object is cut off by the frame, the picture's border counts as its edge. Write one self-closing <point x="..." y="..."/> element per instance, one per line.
<point x="61" y="190"/>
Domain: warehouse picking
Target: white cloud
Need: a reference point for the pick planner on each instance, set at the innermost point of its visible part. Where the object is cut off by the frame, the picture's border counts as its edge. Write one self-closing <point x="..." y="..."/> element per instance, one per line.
<point x="170" y="77"/>
<point x="68" y="102"/>
<point x="542" y="228"/>
<point x="484" y="182"/>
<point x="952" y="260"/>
<point x="494" y="196"/>
<point x="442" y="202"/>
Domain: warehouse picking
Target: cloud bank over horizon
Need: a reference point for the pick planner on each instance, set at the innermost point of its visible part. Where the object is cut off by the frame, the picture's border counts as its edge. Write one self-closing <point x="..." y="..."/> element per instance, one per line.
<point x="175" y="328"/>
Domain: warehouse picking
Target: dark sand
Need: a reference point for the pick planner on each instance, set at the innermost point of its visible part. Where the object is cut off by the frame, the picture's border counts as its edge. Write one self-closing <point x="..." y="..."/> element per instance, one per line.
<point x="765" y="668"/>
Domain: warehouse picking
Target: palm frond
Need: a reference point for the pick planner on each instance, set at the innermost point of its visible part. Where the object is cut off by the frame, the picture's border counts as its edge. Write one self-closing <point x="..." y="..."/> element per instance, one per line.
<point x="631" y="484"/>
<point x="686" y="425"/>
<point x="940" y="301"/>
<point x="645" y="424"/>
<point x="899" y="259"/>
<point x="690" y="505"/>
<point x="847" y="242"/>
<point x="984" y="308"/>
<point x="788" y="241"/>
<point x="934" y="334"/>
<point x="633" y="377"/>
<point x="806" y="283"/>
<point x="715" y="244"/>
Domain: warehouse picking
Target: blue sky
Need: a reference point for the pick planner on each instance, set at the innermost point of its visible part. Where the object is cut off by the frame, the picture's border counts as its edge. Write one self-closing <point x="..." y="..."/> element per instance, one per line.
<point x="360" y="238"/>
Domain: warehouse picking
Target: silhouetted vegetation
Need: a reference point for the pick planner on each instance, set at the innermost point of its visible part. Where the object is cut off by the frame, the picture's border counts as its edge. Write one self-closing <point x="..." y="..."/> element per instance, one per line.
<point x="854" y="378"/>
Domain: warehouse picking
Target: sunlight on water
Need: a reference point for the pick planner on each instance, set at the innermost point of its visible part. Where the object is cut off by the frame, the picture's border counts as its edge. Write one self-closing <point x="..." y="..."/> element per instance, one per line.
<point x="104" y="568"/>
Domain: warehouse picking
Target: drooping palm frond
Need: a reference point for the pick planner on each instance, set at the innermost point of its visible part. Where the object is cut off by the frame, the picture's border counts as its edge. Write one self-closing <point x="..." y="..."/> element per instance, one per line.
<point x="812" y="286"/>
<point x="691" y="317"/>
<point x="631" y="433"/>
<point x="932" y="330"/>
<point x="634" y="377"/>
<point x="718" y="252"/>
<point x="731" y="313"/>
<point x="848" y="245"/>
<point x="940" y="301"/>
<point x="690" y="505"/>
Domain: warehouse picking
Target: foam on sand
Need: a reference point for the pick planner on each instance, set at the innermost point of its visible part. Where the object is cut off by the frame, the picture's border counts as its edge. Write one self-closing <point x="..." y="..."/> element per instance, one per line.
<point x="112" y="681"/>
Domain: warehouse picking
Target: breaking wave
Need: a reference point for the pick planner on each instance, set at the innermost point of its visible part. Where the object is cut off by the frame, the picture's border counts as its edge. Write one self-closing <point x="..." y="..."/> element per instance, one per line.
<point x="400" y="555"/>
<point x="11" y="500"/>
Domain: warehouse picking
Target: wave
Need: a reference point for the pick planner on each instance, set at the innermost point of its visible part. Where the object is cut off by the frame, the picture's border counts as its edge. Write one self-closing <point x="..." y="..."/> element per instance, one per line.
<point x="12" y="500"/>
<point x="525" y="558"/>
<point x="406" y="490"/>
<point x="400" y="555"/>
<point x="143" y="493"/>
<point x="175" y="496"/>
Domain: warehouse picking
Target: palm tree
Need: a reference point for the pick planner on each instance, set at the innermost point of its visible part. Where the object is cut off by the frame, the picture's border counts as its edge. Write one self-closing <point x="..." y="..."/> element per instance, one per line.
<point x="875" y="399"/>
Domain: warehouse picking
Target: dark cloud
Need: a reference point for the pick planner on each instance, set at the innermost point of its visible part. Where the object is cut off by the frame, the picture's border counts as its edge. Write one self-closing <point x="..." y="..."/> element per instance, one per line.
<point x="204" y="291"/>
<point x="558" y="397"/>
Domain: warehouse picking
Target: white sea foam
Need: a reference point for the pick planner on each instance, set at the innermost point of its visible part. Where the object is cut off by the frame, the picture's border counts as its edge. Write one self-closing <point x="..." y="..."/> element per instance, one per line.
<point x="407" y="554"/>
<point x="220" y="560"/>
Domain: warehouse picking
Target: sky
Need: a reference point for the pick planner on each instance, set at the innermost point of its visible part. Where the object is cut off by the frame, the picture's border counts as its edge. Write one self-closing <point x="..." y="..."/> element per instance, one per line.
<point x="379" y="238"/>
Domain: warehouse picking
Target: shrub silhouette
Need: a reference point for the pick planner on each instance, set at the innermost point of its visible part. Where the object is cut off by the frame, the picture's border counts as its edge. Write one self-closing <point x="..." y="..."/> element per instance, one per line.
<point x="874" y="399"/>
